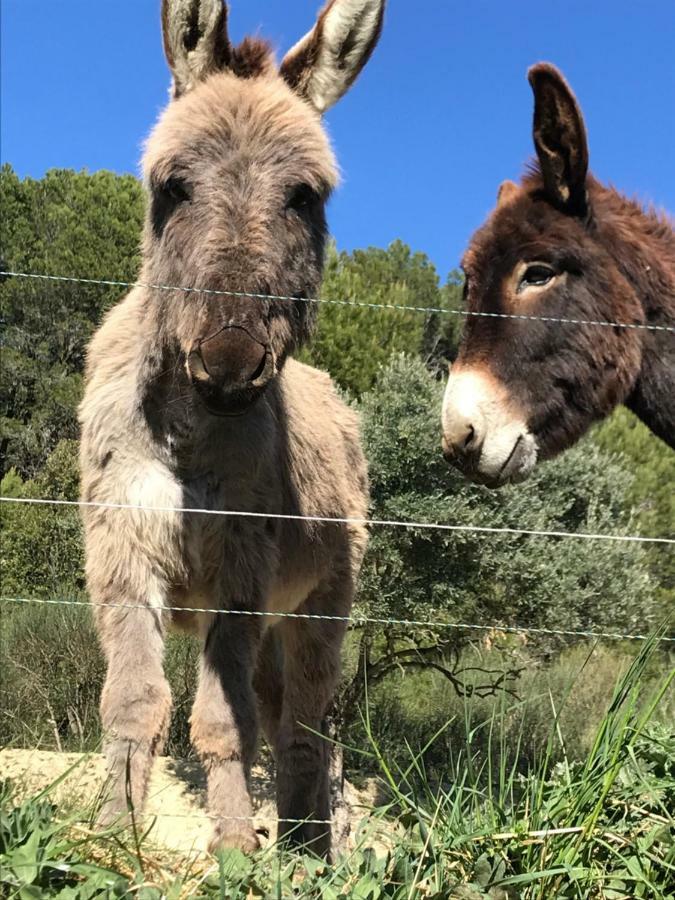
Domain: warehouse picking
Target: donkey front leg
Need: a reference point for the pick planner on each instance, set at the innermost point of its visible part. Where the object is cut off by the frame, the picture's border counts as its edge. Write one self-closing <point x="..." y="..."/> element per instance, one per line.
<point x="135" y="705"/>
<point x="311" y="673"/>
<point x="224" y="727"/>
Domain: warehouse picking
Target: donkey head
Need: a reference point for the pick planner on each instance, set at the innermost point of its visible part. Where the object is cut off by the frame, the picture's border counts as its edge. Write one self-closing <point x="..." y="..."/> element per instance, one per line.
<point x="239" y="169"/>
<point x="523" y="389"/>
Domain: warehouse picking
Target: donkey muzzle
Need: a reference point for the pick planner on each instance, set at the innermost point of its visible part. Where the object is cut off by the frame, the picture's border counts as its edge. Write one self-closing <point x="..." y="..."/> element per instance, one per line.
<point x="230" y="369"/>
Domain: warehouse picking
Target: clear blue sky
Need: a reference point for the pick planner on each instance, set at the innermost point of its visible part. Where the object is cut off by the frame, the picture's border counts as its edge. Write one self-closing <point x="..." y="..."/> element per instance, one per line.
<point x="439" y="117"/>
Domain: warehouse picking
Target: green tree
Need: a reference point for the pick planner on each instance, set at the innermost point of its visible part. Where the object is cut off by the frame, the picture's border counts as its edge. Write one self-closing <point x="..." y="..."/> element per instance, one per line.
<point x="653" y="466"/>
<point x="436" y="576"/>
<point x="67" y="223"/>
<point x="42" y="552"/>
<point x="354" y="341"/>
<point x="443" y="330"/>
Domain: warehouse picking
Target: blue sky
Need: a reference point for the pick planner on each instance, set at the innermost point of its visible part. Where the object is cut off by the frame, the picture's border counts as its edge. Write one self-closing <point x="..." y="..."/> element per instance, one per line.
<point x="440" y="116"/>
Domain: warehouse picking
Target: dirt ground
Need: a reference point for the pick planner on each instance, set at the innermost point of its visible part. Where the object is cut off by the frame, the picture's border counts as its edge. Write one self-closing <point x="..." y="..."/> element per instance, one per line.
<point x="176" y="798"/>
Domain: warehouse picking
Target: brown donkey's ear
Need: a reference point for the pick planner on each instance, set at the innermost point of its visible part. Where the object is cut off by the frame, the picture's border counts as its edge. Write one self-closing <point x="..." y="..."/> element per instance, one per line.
<point x="323" y="64"/>
<point x="559" y="138"/>
<point x="195" y="40"/>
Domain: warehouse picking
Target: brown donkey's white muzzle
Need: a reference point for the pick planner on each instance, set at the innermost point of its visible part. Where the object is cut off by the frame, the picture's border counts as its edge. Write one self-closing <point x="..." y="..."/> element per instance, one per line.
<point x="484" y="434"/>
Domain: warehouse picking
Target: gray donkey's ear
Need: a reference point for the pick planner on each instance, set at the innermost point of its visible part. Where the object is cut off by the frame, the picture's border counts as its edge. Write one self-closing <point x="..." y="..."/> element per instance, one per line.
<point x="195" y="40"/>
<point x="323" y="65"/>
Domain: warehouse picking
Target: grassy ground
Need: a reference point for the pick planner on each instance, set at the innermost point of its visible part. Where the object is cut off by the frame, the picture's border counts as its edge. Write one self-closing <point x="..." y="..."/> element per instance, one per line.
<point x="598" y="827"/>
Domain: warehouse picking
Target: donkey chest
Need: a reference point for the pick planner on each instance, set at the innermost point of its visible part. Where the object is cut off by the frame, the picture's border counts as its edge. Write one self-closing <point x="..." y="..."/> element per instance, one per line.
<point x="194" y="525"/>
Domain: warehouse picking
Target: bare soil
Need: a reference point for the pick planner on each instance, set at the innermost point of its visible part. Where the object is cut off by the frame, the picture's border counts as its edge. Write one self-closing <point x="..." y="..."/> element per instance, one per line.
<point x="176" y="798"/>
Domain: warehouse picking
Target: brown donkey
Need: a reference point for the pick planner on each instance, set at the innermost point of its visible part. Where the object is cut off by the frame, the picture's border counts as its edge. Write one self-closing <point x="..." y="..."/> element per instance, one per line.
<point x="562" y="245"/>
<point x="192" y="401"/>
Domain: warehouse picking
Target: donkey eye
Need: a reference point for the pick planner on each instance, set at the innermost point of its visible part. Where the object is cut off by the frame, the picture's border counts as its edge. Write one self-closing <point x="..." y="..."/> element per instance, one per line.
<point x="536" y="275"/>
<point x="167" y="196"/>
<point x="302" y="199"/>
<point x="176" y="190"/>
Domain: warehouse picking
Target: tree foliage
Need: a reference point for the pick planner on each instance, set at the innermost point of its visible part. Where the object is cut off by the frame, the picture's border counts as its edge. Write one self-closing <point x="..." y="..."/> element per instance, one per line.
<point x="354" y="340"/>
<point x="391" y="363"/>
<point x="625" y="437"/>
<point x="67" y="223"/>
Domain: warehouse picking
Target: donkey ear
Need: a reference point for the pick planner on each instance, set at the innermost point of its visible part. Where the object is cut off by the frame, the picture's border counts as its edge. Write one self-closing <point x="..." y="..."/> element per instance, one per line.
<point x="559" y="138"/>
<point x="324" y="63"/>
<point x="195" y="40"/>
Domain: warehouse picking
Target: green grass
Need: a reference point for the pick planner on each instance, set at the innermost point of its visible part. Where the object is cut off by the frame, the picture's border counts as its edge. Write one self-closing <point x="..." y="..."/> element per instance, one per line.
<point x="597" y="827"/>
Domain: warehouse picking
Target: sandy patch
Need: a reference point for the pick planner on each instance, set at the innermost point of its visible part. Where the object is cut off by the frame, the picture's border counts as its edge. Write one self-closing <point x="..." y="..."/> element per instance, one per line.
<point x="176" y="797"/>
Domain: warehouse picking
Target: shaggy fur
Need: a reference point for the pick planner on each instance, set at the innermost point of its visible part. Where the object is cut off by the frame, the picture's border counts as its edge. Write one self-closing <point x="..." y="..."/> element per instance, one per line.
<point x="610" y="260"/>
<point x="191" y="401"/>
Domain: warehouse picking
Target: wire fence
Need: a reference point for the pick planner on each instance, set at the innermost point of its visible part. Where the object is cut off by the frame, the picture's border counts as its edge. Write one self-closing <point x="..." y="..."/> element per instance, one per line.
<point x="440" y="310"/>
<point x="353" y="620"/>
<point x="337" y="520"/>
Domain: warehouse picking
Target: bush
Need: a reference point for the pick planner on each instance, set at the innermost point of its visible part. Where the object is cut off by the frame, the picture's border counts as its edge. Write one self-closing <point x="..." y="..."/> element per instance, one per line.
<point x="52" y="676"/>
<point x="490" y="581"/>
<point x="508" y="726"/>
<point x="506" y="579"/>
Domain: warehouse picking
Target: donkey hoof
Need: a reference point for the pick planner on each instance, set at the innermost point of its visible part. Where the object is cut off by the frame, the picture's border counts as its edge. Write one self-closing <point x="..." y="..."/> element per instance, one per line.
<point x="111" y="816"/>
<point x="241" y="838"/>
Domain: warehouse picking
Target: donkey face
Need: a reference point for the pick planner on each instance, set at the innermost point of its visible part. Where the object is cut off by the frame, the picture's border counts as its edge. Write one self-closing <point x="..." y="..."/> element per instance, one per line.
<point x="239" y="169"/>
<point x="524" y="390"/>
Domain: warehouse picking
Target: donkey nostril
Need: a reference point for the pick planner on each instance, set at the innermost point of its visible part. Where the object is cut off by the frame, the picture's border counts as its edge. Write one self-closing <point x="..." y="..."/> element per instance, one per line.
<point x="257" y="373"/>
<point x="468" y="440"/>
<point x="462" y="439"/>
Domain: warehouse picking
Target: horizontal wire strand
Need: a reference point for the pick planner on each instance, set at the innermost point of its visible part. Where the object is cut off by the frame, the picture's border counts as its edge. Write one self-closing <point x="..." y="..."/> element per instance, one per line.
<point x="209" y="816"/>
<point x="346" y="520"/>
<point x="356" y="303"/>
<point x="354" y="620"/>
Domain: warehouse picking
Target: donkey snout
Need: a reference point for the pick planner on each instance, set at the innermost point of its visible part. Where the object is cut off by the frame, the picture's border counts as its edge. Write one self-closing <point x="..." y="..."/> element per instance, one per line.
<point x="231" y="359"/>
<point x="229" y="369"/>
<point x="463" y="437"/>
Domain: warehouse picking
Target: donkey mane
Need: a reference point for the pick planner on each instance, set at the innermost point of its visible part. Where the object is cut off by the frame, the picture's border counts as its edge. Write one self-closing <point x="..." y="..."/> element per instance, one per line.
<point x="637" y="215"/>
<point x="252" y="58"/>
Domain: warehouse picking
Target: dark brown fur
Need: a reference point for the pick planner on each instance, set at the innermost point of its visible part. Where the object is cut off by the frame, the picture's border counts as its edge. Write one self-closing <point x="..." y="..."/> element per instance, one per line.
<point x="613" y="261"/>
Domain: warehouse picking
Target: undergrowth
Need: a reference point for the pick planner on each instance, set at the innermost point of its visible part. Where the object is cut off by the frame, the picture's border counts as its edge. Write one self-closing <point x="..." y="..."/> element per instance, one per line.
<point x="597" y="827"/>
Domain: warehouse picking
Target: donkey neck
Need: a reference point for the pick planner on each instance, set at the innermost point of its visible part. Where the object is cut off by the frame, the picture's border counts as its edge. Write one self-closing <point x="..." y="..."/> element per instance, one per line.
<point x="642" y="244"/>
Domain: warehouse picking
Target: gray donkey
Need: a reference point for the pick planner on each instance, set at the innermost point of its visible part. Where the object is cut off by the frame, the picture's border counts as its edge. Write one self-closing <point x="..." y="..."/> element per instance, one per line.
<point x="192" y="400"/>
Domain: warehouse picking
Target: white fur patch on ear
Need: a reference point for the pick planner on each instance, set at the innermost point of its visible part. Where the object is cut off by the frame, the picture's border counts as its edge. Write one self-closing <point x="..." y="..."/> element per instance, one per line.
<point x="324" y="63"/>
